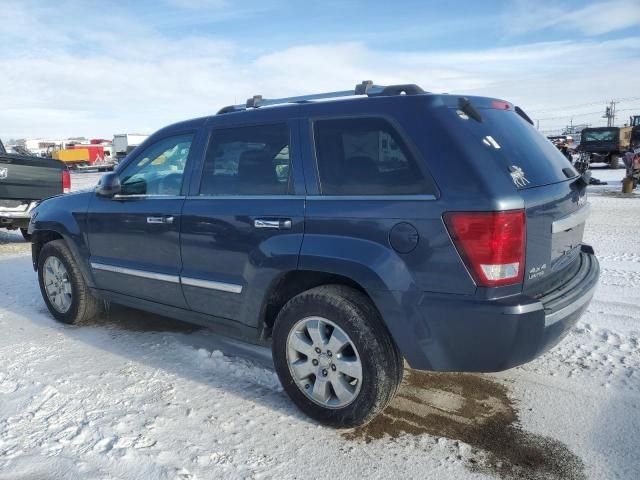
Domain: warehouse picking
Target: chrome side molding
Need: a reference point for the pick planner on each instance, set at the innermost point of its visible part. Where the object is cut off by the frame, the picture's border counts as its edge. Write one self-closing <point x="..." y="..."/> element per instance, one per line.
<point x="212" y="285"/>
<point x="191" y="282"/>
<point x="136" y="273"/>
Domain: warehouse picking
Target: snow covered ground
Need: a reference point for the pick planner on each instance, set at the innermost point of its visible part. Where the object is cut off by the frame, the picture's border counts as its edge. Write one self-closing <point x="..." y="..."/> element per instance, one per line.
<point x="136" y="396"/>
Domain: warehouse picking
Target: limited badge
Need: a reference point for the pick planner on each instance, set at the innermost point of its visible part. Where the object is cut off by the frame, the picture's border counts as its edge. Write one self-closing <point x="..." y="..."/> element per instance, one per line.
<point x="517" y="175"/>
<point x="4" y="172"/>
<point x="536" y="272"/>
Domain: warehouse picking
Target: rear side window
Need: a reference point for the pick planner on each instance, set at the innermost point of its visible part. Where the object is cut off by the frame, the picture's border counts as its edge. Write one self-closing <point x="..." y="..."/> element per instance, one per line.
<point x="515" y="144"/>
<point x="247" y="161"/>
<point x="365" y="156"/>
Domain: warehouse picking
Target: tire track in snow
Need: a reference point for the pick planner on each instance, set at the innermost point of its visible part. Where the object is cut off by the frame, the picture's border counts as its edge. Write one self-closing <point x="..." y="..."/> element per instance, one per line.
<point x="619" y="277"/>
<point x="620" y="257"/>
<point x="607" y="357"/>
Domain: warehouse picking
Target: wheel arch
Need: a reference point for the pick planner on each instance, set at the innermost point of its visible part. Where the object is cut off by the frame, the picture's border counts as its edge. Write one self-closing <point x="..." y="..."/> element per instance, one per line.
<point x="41" y="237"/>
<point x="38" y="240"/>
<point x="398" y="309"/>
<point x="291" y="283"/>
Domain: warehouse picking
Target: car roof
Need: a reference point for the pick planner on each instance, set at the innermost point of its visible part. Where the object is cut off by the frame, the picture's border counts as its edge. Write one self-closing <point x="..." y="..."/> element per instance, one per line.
<point x="362" y="90"/>
<point x="361" y="98"/>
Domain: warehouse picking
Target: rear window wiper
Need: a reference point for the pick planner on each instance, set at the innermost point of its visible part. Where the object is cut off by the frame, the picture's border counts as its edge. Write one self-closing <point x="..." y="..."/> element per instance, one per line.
<point x="467" y="107"/>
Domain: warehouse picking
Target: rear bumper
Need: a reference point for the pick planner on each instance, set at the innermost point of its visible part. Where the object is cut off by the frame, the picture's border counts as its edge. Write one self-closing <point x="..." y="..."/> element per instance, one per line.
<point x="452" y="333"/>
<point x="16" y="217"/>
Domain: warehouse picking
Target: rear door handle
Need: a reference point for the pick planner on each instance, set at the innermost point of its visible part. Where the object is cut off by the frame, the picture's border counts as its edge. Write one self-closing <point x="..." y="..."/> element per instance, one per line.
<point x="156" y="220"/>
<point x="276" y="224"/>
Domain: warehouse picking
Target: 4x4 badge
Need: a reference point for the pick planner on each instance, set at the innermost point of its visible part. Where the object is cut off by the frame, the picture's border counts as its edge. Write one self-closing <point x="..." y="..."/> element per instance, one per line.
<point x="517" y="175"/>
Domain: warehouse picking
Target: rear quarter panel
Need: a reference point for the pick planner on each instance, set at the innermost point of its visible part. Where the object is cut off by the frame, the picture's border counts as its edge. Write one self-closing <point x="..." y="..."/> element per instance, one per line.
<point x="352" y="234"/>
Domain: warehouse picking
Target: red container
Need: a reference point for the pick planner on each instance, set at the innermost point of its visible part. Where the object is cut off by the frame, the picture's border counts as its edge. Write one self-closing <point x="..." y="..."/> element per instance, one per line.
<point x="96" y="153"/>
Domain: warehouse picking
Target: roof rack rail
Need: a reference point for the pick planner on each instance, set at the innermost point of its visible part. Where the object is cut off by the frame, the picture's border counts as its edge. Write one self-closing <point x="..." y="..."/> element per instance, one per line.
<point x="365" y="88"/>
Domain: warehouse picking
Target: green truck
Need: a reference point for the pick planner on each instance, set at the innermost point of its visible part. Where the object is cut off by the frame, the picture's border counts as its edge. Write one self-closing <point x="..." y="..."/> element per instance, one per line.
<point x="606" y="144"/>
<point x="25" y="180"/>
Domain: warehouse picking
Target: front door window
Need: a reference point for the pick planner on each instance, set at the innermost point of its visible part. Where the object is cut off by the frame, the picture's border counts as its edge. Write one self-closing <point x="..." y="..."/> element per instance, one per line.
<point x="158" y="170"/>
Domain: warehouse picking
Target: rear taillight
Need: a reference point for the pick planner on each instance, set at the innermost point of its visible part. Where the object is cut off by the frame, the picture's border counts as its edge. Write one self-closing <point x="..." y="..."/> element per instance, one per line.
<point x="66" y="181"/>
<point x="491" y="244"/>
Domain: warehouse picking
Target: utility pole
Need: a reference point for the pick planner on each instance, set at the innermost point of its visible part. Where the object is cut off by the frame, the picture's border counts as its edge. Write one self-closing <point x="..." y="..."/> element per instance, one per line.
<point x="610" y="114"/>
<point x="613" y="113"/>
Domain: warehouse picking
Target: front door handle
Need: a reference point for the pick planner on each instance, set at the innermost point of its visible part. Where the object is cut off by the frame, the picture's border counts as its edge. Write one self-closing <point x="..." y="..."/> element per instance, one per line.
<point x="276" y="224"/>
<point x="156" y="220"/>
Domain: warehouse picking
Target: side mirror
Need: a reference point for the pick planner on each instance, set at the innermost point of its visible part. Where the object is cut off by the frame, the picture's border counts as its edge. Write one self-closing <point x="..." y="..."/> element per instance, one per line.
<point x="109" y="185"/>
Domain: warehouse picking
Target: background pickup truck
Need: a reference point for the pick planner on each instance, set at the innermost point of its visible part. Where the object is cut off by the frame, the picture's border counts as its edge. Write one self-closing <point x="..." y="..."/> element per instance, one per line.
<point x="24" y="181"/>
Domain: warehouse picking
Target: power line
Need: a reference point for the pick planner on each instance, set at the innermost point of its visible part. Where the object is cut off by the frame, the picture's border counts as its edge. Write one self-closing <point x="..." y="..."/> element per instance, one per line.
<point x="589" y="104"/>
<point x="559" y="117"/>
<point x="570" y="116"/>
<point x="566" y="107"/>
<point x="628" y="109"/>
<point x="557" y="127"/>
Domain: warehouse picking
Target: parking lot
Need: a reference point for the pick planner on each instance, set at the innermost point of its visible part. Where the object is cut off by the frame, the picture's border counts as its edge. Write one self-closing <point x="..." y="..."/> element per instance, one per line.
<point x="140" y="396"/>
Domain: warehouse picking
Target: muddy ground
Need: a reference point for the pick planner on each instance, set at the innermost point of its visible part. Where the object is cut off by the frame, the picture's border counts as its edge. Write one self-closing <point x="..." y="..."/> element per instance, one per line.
<point x="478" y="411"/>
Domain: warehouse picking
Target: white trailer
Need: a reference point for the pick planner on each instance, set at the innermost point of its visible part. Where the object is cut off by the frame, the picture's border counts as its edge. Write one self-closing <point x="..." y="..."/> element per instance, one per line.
<point x="123" y="143"/>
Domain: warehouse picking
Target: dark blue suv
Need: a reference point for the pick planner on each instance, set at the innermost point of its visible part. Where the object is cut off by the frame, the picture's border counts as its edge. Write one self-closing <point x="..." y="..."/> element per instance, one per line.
<point x="350" y="231"/>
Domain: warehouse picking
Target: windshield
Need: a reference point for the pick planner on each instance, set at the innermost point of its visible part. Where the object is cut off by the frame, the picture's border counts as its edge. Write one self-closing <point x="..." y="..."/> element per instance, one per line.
<point x="600" y="135"/>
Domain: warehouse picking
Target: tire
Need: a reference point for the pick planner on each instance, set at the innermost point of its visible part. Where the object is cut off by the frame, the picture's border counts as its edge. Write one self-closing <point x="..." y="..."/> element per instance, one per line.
<point x="614" y="161"/>
<point x="83" y="306"/>
<point x="338" y="310"/>
<point x="25" y="234"/>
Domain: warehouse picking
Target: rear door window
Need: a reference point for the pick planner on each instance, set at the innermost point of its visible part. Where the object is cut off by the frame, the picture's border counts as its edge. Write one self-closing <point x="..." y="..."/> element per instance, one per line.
<point x="247" y="161"/>
<point x="365" y="156"/>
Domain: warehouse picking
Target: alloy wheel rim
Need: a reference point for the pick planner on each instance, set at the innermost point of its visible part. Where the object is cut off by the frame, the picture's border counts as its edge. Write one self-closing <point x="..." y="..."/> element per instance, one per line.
<point x="324" y="362"/>
<point x="57" y="284"/>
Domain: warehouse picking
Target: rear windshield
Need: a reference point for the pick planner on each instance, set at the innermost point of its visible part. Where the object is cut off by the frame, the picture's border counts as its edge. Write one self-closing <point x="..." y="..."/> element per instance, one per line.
<point x="599" y="136"/>
<point x="517" y="145"/>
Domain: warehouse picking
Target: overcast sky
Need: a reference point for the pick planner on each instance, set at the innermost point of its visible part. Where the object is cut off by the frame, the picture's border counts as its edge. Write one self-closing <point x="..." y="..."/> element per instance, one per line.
<point x="75" y="67"/>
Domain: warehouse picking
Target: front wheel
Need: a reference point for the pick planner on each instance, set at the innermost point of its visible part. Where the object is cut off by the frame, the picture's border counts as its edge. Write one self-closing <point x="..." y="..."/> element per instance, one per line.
<point x="62" y="286"/>
<point x="334" y="356"/>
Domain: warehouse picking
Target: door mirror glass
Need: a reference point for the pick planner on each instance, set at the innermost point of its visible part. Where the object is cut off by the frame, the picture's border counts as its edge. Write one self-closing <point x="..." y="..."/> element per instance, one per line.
<point x="109" y="185"/>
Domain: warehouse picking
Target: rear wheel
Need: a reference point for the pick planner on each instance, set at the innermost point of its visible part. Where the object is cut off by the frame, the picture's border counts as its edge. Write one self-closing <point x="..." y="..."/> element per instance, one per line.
<point x="62" y="286"/>
<point x="614" y="161"/>
<point x="334" y="356"/>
